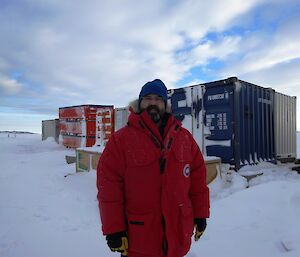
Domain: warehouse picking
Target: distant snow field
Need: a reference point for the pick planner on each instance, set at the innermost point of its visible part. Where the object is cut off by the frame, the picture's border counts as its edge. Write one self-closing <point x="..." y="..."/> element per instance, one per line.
<point x="45" y="214"/>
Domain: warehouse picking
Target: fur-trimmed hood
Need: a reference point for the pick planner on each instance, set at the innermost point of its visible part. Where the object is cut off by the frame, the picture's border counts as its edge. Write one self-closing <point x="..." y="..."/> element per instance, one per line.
<point x="133" y="106"/>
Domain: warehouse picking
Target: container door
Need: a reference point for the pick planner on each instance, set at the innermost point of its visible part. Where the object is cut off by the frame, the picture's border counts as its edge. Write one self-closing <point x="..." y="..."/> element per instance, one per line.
<point x="104" y="120"/>
<point x="121" y="117"/>
<point x="285" y="127"/>
<point x="263" y="137"/>
<point x="218" y="121"/>
<point x="187" y="107"/>
<point x="240" y="119"/>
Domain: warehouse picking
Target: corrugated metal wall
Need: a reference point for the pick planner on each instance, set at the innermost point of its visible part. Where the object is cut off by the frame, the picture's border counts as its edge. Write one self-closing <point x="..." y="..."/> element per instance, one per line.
<point x="50" y="128"/>
<point x="78" y="126"/>
<point x="285" y="126"/>
<point x="121" y="117"/>
<point x="187" y="106"/>
<point x="255" y="123"/>
<point x="241" y="121"/>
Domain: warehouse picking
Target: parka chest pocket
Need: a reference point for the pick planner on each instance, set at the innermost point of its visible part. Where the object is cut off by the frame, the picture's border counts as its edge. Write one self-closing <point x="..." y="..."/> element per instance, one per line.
<point x="140" y="157"/>
<point x="139" y="150"/>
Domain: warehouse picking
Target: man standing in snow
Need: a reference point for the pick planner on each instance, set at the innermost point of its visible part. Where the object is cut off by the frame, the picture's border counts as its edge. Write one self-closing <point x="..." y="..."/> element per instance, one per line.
<point x="151" y="181"/>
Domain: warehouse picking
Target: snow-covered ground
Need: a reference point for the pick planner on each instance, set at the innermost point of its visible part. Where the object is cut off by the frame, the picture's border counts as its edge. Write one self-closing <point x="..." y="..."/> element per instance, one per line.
<point x="45" y="213"/>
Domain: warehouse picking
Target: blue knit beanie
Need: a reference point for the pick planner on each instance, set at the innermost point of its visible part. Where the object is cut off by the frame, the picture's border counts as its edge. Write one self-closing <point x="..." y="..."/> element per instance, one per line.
<point x="156" y="87"/>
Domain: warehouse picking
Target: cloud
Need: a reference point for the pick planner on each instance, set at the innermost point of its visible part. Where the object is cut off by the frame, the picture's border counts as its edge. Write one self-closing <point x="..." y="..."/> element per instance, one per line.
<point x="3" y="64"/>
<point x="220" y="49"/>
<point x="9" y="86"/>
<point x="101" y="52"/>
<point x="196" y="18"/>
<point x="260" y="50"/>
<point x="283" y="78"/>
<point x="70" y="47"/>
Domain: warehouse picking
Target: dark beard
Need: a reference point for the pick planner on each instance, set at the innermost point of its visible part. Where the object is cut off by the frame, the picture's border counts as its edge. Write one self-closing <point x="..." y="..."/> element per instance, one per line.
<point x="156" y="115"/>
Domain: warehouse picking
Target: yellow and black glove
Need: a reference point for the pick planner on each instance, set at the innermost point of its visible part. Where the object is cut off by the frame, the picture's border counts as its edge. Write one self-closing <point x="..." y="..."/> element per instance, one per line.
<point x="200" y="226"/>
<point x="118" y="242"/>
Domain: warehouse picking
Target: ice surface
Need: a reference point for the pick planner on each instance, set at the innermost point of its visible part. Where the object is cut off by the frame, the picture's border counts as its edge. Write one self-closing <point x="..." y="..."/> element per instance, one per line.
<point x="44" y="213"/>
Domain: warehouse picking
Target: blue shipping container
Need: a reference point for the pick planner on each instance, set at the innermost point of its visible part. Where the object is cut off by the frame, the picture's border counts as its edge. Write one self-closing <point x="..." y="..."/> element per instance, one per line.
<point x="240" y="117"/>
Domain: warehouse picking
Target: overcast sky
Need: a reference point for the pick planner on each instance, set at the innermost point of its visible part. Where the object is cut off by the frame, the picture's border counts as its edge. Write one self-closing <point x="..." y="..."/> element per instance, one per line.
<point x="56" y="53"/>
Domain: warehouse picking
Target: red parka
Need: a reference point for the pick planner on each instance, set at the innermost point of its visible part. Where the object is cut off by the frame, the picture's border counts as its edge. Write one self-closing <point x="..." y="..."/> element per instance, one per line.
<point x="152" y="187"/>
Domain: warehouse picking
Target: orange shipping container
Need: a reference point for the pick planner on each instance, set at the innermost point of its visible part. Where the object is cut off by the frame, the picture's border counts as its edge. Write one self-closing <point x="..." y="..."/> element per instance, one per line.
<point x="78" y="124"/>
<point x="81" y="112"/>
<point x="72" y="141"/>
<point x="80" y="127"/>
<point x="105" y="126"/>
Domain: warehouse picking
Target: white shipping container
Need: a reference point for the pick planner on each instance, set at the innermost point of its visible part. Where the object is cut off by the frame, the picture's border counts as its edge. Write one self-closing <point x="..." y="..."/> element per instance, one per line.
<point x="50" y="128"/>
<point x="285" y="126"/>
<point x="121" y="117"/>
<point x="187" y="106"/>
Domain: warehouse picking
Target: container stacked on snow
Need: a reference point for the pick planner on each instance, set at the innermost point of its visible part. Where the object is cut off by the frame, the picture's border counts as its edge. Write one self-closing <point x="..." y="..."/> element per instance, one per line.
<point x="247" y="110"/>
<point x="285" y="131"/>
<point x="50" y="128"/>
<point x="121" y="117"/>
<point x="104" y="125"/>
<point x="237" y="120"/>
<point x="78" y="125"/>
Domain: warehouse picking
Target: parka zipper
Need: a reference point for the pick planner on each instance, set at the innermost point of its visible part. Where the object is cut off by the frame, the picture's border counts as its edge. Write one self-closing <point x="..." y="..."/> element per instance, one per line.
<point x="162" y="159"/>
<point x="164" y="241"/>
<point x="162" y="165"/>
